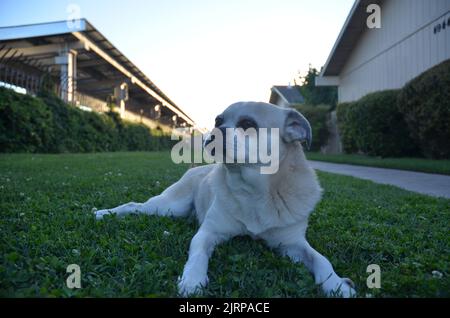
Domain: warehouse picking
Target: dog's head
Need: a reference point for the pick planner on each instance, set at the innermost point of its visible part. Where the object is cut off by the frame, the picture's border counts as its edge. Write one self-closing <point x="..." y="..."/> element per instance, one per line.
<point x="248" y="132"/>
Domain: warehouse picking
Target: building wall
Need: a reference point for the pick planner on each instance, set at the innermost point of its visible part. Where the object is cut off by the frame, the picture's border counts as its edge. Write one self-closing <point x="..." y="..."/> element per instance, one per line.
<point x="401" y="49"/>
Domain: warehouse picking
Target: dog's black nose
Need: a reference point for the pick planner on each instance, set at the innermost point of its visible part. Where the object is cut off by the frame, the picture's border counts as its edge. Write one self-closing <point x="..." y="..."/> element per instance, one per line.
<point x="209" y="140"/>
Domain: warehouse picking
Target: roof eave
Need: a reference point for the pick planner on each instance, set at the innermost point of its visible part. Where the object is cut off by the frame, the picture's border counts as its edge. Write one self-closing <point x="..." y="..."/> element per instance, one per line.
<point x="42" y="29"/>
<point x="280" y="94"/>
<point x="339" y="38"/>
<point x="353" y="28"/>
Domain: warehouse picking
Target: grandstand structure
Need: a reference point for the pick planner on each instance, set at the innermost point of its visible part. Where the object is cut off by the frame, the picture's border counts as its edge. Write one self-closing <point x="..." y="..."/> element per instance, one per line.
<point x="85" y="70"/>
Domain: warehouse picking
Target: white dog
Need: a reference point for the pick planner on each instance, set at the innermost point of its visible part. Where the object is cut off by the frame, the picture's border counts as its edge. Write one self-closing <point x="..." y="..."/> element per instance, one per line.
<point x="236" y="199"/>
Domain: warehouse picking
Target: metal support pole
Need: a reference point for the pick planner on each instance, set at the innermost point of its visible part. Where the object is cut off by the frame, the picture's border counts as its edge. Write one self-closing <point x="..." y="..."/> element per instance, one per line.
<point x="68" y="75"/>
<point x="121" y="94"/>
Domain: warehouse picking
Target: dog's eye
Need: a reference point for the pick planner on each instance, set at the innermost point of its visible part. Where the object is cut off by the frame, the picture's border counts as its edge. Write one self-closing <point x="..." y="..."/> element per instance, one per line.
<point x="246" y="124"/>
<point x="219" y="121"/>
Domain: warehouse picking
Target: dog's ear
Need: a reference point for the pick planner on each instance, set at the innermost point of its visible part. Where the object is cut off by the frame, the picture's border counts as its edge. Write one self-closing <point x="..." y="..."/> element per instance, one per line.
<point x="297" y="128"/>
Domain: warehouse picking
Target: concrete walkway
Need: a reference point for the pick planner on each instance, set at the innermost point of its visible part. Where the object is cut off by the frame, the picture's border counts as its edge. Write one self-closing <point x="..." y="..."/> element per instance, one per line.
<point x="426" y="183"/>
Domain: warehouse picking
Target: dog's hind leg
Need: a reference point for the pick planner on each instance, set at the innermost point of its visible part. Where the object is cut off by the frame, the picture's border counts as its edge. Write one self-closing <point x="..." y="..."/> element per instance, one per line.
<point x="177" y="200"/>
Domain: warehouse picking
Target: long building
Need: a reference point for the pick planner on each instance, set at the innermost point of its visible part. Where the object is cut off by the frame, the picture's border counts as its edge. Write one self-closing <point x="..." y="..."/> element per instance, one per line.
<point x="410" y="37"/>
<point x="414" y="35"/>
<point x="86" y="70"/>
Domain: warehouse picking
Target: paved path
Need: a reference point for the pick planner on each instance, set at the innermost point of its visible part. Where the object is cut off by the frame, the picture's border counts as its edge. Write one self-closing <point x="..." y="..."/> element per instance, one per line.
<point x="431" y="184"/>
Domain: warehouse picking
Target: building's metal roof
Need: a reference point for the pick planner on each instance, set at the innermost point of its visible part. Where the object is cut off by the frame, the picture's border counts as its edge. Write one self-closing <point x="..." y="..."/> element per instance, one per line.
<point x="291" y="94"/>
<point x="353" y="27"/>
<point x="100" y="63"/>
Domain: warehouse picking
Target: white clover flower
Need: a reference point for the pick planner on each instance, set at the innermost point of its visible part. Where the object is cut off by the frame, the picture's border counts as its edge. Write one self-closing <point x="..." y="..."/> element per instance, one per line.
<point x="76" y="252"/>
<point x="437" y="274"/>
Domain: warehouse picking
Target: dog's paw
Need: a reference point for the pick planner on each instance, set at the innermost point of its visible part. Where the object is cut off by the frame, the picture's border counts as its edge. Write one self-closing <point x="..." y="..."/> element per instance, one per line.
<point x="189" y="285"/>
<point x="101" y="213"/>
<point x="339" y="287"/>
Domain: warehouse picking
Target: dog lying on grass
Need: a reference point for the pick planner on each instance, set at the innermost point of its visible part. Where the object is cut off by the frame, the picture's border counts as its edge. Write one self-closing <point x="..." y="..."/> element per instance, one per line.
<point x="231" y="199"/>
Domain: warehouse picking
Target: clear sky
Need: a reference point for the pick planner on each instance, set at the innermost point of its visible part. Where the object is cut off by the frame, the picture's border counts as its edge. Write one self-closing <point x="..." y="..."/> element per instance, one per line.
<point x="206" y="54"/>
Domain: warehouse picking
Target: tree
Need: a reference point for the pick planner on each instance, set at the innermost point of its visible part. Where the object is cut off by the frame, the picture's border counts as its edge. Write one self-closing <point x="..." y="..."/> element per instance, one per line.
<point x="316" y="95"/>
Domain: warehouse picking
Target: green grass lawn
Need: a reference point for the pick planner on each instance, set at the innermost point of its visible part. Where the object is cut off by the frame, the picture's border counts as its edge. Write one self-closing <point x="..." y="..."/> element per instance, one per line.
<point x="413" y="164"/>
<point x="46" y="224"/>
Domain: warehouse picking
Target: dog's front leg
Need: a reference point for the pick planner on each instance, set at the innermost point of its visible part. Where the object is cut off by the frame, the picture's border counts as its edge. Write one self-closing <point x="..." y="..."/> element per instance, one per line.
<point x="165" y="204"/>
<point x="321" y="268"/>
<point x="195" y="274"/>
<point x="176" y="200"/>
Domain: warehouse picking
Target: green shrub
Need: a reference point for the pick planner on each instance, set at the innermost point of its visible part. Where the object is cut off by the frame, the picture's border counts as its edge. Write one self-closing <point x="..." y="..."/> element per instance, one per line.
<point x="139" y="137"/>
<point x="346" y="129"/>
<point x="374" y="126"/>
<point x="162" y="141"/>
<point x="318" y="117"/>
<point x="425" y="105"/>
<point x="79" y="131"/>
<point x="25" y="123"/>
<point x="47" y="124"/>
<point x="136" y="137"/>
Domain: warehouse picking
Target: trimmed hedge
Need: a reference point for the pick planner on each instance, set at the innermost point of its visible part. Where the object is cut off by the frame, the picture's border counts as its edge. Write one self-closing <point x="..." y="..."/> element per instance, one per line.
<point x="47" y="124"/>
<point x="373" y="125"/>
<point x="318" y="117"/>
<point x="425" y="105"/>
<point x="347" y="131"/>
<point x="26" y="123"/>
<point x="412" y="121"/>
